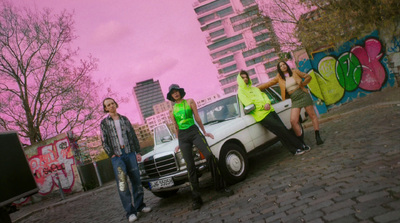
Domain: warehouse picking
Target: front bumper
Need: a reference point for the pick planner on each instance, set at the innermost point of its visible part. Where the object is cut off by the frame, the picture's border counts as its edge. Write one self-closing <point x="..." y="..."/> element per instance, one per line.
<point x="180" y="179"/>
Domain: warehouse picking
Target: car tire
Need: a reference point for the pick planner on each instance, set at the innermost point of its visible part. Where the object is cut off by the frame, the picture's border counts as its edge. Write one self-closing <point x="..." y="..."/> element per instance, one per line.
<point x="233" y="163"/>
<point x="165" y="194"/>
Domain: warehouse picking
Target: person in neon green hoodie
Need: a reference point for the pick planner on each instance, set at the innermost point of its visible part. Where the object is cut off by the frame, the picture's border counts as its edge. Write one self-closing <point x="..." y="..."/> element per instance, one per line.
<point x="265" y="114"/>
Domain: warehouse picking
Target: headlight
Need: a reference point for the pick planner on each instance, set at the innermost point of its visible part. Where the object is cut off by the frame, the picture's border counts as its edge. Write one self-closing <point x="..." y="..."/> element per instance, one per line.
<point x="196" y="155"/>
<point x="179" y="157"/>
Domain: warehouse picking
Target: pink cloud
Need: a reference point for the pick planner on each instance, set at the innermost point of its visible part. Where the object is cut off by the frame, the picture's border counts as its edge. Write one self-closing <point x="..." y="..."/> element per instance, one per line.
<point x="154" y="67"/>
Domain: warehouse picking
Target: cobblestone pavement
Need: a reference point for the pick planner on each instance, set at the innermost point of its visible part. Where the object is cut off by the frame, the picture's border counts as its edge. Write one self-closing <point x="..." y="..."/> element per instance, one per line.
<point x="353" y="177"/>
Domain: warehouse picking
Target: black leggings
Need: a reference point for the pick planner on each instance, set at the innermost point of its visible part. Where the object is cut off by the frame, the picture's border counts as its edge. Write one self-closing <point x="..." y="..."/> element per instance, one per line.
<point x="274" y="124"/>
<point x="192" y="136"/>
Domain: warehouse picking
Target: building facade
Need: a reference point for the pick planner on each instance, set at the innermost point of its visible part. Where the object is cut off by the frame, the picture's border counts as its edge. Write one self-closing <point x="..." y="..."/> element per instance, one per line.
<point x="158" y="119"/>
<point x="162" y="107"/>
<point x="147" y="94"/>
<point x="238" y="39"/>
<point x="142" y="132"/>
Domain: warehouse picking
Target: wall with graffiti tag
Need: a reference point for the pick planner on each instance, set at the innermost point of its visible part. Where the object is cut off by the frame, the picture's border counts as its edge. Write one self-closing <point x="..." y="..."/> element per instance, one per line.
<point x="52" y="163"/>
<point x="356" y="69"/>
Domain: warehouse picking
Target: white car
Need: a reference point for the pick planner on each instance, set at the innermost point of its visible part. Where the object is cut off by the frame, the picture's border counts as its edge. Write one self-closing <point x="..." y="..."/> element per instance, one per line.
<point x="236" y="134"/>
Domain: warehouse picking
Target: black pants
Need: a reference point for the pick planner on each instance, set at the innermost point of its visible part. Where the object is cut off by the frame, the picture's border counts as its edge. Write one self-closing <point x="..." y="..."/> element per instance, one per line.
<point x="192" y="136"/>
<point x="274" y="124"/>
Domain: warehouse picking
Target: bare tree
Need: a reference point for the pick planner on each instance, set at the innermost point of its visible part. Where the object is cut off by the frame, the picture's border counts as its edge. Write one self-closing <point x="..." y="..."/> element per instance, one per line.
<point x="284" y="16"/>
<point x="335" y="22"/>
<point x="43" y="90"/>
<point x="312" y="24"/>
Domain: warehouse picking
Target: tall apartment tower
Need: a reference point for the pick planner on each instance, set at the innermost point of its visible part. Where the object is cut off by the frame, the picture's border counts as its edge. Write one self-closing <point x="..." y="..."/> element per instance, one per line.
<point x="238" y="39"/>
<point x="147" y="93"/>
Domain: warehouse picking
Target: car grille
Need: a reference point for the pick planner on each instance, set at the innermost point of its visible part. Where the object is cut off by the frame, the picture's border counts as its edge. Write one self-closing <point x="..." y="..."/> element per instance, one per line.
<point x="161" y="166"/>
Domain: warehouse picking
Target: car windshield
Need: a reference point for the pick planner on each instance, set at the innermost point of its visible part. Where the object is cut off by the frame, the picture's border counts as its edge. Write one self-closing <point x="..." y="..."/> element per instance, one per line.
<point x="221" y="110"/>
<point x="162" y="135"/>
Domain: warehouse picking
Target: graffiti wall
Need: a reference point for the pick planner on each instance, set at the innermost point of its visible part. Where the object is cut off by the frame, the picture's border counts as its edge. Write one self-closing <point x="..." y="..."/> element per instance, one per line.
<point x="52" y="164"/>
<point x="356" y="69"/>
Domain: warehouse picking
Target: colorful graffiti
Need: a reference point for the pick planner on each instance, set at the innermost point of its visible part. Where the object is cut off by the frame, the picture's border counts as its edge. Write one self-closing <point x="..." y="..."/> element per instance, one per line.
<point x="359" y="67"/>
<point x="394" y="46"/>
<point x="52" y="165"/>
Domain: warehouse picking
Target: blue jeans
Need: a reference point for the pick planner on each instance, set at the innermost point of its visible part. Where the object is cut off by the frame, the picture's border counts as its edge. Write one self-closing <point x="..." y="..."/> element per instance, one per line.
<point x="126" y="166"/>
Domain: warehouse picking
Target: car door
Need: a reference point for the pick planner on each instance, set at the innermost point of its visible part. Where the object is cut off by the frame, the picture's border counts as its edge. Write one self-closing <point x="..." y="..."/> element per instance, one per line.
<point x="261" y="135"/>
<point x="282" y="108"/>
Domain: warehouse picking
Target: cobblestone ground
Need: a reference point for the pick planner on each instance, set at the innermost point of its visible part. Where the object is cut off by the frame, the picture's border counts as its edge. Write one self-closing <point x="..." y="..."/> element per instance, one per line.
<point x="353" y="177"/>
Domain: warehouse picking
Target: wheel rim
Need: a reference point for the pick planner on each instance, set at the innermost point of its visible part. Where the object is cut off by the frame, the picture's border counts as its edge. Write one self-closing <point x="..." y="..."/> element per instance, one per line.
<point x="235" y="163"/>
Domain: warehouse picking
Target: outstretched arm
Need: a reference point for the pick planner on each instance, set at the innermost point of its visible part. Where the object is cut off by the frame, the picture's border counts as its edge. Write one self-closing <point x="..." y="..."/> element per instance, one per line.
<point x="193" y="106"/>
<point x="268" y="84"/>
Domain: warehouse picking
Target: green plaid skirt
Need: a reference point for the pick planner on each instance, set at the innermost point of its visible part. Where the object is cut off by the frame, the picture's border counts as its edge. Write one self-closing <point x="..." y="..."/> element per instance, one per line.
<point x="301" y="99"/>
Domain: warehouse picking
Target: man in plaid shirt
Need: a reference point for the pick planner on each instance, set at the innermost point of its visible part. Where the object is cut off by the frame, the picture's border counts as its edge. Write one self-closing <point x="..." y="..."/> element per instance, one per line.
<point x="122" y="146"/>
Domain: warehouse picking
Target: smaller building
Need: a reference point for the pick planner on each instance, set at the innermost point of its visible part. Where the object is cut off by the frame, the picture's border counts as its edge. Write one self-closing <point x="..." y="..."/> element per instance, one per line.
<point x="143" y="132"/>
<point x="162" y="107"/>
<point x="158" y="119"/>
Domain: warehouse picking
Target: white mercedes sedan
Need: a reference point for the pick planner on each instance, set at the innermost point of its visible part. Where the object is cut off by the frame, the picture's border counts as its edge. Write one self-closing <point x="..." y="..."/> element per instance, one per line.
<point x="236" y="134"/>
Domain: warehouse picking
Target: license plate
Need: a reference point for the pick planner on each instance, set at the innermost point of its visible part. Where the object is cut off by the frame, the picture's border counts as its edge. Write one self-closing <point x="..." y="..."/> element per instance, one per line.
<point x="163" y="183"/>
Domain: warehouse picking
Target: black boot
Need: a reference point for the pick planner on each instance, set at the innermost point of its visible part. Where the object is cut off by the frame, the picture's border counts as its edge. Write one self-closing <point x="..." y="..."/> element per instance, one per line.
<point x="318" y="138"/>
<point x="197" y="203"/>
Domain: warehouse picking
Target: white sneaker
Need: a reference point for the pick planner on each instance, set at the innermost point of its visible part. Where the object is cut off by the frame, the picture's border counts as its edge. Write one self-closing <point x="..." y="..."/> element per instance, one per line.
<point x="299" y="152"/>
<point x="146" y="209"/>
<point x="132" y="218"/>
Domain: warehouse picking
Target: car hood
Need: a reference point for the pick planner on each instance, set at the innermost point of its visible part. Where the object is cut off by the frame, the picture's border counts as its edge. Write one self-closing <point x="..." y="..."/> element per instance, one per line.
<point x="161" y="148"/>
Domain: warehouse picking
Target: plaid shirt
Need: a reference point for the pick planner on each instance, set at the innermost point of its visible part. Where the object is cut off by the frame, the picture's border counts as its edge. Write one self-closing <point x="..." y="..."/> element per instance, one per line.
<point x="110" y="140"/>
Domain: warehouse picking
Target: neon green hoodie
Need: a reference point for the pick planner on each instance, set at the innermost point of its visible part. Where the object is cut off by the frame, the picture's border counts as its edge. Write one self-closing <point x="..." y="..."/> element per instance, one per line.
<point x="251" y="95"/>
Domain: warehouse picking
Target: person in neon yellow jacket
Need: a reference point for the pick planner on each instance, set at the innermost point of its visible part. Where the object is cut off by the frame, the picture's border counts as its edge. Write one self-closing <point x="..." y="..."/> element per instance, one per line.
<point x="265" y="114"/>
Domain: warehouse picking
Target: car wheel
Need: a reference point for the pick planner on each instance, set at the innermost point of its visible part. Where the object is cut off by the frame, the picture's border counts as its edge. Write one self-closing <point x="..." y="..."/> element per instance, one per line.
<point x="165" y="194"/>
<point x="233" y="163"/>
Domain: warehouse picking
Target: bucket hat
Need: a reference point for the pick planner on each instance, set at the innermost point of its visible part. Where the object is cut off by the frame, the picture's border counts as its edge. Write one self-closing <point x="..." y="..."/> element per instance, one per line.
<point x="175" y="87"/>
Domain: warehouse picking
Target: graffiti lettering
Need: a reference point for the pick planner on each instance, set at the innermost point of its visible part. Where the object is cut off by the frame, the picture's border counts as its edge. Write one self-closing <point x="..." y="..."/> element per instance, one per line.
<point x="348" y="71"/>
<point x="63" y="145"/>
<point x="360" y="67"/>
<point x="395" y="48"/>
<point x="373" y="75"/>
<point x="325" y="84"/>
<point x="51" y="160"/>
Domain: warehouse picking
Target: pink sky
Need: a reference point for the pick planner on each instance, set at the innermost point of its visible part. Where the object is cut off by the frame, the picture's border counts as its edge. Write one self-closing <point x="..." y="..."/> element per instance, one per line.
<point x="136" y="40"/>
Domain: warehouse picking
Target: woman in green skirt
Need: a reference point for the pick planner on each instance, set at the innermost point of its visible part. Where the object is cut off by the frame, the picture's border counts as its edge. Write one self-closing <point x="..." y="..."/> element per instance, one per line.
<point x="291" y="83"/>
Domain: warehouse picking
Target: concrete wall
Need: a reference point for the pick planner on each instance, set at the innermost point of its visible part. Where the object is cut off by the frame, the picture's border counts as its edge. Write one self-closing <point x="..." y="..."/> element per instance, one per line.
<point x="52" y="160"/>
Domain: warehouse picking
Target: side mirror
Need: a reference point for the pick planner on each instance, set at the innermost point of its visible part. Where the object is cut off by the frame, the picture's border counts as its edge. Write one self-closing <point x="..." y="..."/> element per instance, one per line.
<point x="249" y="108"/>
<point x="166" y="139"/>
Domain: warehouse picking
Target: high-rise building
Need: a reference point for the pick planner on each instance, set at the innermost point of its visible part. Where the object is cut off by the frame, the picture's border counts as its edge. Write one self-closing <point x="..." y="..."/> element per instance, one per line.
<point x="238" y="39"/>
<point x="147" y="93"/>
